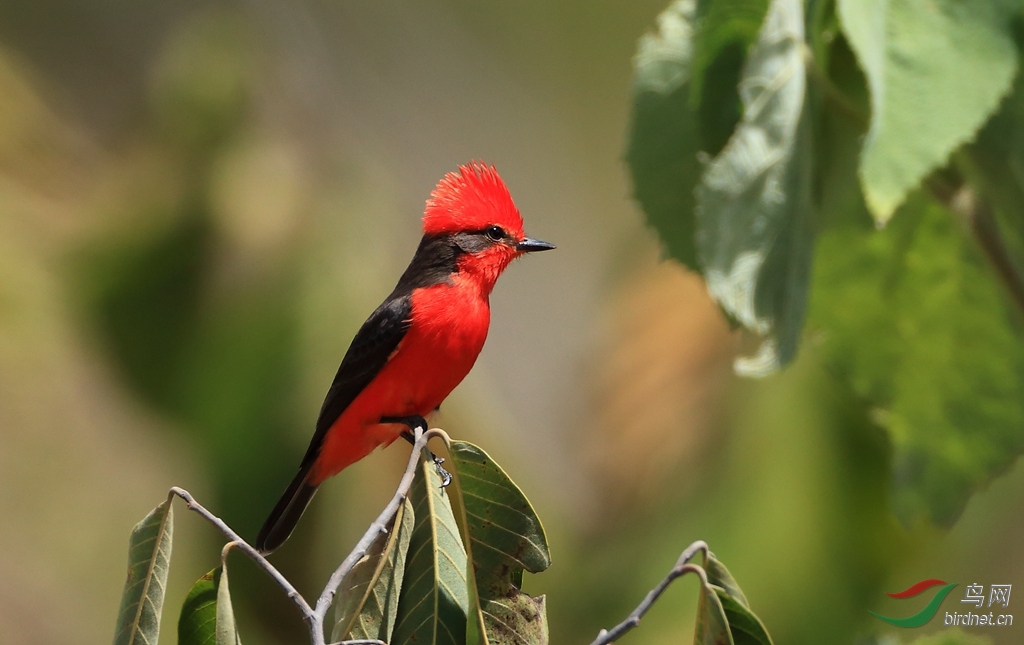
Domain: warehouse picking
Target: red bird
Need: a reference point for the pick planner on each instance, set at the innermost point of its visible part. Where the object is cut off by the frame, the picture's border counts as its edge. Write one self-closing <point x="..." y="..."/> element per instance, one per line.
<point x="420" y="342"/>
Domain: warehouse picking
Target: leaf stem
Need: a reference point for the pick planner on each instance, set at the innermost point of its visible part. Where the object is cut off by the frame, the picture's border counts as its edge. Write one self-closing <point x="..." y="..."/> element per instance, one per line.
<point x="245" y="547"/>
<point x="681" y="568"/>
<point x="977" y="212"/>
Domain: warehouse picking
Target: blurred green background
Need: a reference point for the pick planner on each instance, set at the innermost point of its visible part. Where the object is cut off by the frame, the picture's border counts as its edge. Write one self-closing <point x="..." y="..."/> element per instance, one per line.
<point x="201" y="201"/>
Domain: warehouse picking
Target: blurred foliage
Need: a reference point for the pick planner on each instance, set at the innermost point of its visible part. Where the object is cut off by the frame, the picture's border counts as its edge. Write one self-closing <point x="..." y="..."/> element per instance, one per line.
<point x="910" y="319"/>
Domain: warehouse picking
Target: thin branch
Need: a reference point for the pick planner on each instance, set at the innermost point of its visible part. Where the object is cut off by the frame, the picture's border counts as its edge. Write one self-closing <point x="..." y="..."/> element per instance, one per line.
<point x="376" y="528"/>
<point x="681" y="568"/>
<point x="977" y="212"/>
<point x="986" y="230"/>
<point x="314" y="618"/>
<point x="254" y="555"/>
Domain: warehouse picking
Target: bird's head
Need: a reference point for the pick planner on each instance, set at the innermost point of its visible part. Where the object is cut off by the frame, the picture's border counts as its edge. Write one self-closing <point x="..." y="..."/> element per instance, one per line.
<point x="474" y="210"/>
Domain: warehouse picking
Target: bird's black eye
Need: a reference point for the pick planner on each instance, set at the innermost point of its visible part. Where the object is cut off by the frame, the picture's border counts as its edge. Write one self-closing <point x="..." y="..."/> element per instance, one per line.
<point x="495" y="233"/>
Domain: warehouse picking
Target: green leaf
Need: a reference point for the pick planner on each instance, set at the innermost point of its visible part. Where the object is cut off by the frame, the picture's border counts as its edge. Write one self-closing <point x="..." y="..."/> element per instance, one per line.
<point x="754" y="204"/>
<point x="368" y="596"/>
<point x="712" y="626"/>
<point x="914" y="321"/>
<point x="434" y="601"/>
<point x="149" y="559"/>
<point x="726" y="29"/>
<point x="197" y="623"/>
<point x="207" y="617"/>
<point x="744" y="627"/>
<point x="227" y="632"/>
<point x="719" y="576"/>
<point x="685" y="103"/>
<point x="663" y="142"/>
<point x="505" y="538"/>
<point x="936" y="70"/>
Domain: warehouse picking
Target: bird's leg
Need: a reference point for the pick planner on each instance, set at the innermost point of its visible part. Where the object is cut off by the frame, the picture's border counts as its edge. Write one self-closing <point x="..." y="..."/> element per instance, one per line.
<point x="415" y="422"/>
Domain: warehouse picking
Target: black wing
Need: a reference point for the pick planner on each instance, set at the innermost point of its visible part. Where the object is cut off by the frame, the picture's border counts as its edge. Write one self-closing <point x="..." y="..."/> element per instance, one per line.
<point x="366" y="356"/>
<point x="369" y="352"/>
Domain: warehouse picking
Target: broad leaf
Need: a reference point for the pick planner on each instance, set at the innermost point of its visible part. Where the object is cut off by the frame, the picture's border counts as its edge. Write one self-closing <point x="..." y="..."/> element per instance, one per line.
<point x="725" y="32"/>
<point x="663" y="141"/>
<point x="913" y="319"/>
<point x="368" y="596"/>
<point x="936" y="70"/>
<point x="506" y="538"/>
<point x="754" y="204"/>
<point x="685" y="104"/>
<point x="207" y="617"/>
<point x="149" y="559"/>
<point x="434" y="601"/>
<point x="197" y="623"/>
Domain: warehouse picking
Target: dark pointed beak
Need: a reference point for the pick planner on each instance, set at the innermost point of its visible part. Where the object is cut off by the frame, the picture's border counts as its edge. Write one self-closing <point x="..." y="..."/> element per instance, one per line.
<point x="529" y="245"/>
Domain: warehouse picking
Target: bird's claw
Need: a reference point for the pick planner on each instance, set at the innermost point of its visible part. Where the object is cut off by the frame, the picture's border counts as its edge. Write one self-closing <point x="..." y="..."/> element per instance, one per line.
<point x="446" y="477"/>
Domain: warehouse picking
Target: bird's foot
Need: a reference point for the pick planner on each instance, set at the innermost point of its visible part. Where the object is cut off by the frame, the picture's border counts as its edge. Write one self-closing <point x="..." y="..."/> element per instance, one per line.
<point x="446" y="477"/>
<point x="419" y="423"/>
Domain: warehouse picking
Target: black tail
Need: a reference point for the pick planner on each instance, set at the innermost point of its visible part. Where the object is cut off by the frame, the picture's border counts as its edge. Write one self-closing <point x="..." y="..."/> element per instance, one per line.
<point x="286" y="513"/>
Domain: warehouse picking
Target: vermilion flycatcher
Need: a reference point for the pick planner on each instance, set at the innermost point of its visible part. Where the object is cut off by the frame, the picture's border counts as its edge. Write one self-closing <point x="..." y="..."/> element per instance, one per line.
<point x="420" y="342"/>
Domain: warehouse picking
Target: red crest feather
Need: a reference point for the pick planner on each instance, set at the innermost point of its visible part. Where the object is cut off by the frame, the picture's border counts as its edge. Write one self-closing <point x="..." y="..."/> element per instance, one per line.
<point x="471" y="199"/>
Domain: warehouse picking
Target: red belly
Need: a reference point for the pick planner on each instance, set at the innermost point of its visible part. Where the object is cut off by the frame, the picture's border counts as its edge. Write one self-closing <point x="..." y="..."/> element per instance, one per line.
<point x="447" y="333"/>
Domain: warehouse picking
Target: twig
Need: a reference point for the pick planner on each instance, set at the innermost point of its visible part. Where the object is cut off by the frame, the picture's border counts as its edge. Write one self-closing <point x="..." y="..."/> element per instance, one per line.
<point x="682" y="567"/>
<point x="986" y="230"/>
<point x="976" y="210"/>
<point x="254" y="555"/>
<point x="376" y="528"/>
<point x="314" y="618"/>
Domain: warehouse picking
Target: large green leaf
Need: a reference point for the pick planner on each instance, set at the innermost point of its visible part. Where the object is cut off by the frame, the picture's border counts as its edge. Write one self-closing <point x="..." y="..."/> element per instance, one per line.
<point x="368" y="596"/>
<point x="207" y="617"/>
<point x="149" y="559"/>
<point x="725" y="31"/>
<point x="754" y="203"/>
<point x="505" y="538"/>
<point x="663" y="141"/>
<point x="434" y="600"/>
<point x="937" y="70"/>
<point x="913" y="319"/>
<point x="686" y="103"/>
